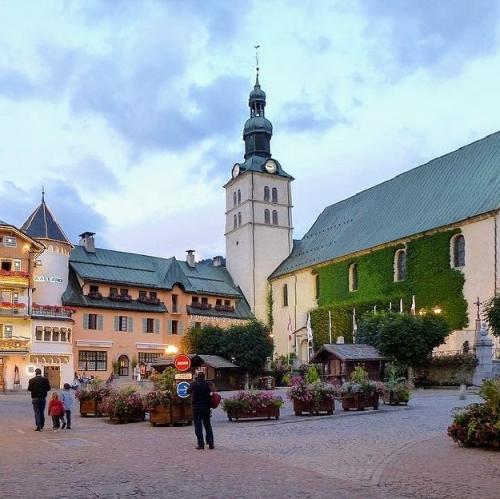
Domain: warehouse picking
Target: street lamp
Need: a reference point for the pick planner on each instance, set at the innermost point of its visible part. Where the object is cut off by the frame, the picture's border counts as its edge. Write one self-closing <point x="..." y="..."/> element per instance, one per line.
<point x="171" y="350"/>
<point x="436" y="310"/>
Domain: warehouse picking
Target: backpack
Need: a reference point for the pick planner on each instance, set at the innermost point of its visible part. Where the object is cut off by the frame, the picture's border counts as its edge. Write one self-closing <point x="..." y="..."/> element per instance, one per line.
<point x="215" y="400"/>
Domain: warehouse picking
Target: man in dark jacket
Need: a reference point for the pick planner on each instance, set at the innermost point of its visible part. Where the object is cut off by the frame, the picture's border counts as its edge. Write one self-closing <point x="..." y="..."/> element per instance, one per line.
<point x="201" y="396"/>
<point x="39" y="386"/>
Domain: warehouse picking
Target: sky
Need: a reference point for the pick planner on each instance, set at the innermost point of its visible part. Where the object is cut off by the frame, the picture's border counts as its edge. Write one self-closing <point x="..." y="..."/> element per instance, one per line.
<point x="130" y="113"/>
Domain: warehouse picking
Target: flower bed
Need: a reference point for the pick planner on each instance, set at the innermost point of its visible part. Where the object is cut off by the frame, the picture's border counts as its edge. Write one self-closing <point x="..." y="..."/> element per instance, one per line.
<point x="478" y="425"/>
<point x="91" y="399"/>
<point x="252" y="405"/>
<point x="360" y="392"/>
<point x="125" y="406"/>
<point x="312" y="398"/>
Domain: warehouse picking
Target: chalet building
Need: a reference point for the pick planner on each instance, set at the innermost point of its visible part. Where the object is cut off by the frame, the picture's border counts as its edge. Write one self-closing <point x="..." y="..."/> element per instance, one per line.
<point x="18" y="254"/>
<point x="132" y="308"/>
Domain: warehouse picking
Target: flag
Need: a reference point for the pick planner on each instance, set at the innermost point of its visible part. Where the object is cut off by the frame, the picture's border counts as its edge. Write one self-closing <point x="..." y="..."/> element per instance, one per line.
<point x="330" y="326"/>
<point x="309" y="328"/>
<point x="289" y="328"/>
<point x="413" y="306"/>
<point x="354" y="325"/>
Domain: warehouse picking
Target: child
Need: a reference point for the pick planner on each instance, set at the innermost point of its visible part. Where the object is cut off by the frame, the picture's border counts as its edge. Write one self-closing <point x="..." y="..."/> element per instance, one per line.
<point x="56" y="411"/>
<point x="68" y="400"/>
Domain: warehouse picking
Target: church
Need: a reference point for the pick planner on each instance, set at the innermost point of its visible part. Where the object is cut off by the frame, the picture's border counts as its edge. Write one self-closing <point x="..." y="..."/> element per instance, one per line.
<point x="426" y="241"/>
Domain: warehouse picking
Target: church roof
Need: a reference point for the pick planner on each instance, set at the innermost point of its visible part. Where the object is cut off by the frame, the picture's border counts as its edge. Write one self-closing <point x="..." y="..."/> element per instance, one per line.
<point x="41" y="224"/>
<point x="446" y="190"/>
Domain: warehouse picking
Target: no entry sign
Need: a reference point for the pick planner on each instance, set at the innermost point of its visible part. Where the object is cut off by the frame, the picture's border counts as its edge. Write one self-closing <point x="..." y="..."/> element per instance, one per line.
<point x="182" y="362"/>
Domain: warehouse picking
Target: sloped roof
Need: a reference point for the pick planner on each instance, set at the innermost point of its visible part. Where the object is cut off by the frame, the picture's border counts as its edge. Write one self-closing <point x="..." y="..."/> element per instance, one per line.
<point x="349" y="351"/>
<point x="132" y="269"/>
<point x="446" y="190"/>
<point x="41" y="224"/>
<point x="217" y="361"/>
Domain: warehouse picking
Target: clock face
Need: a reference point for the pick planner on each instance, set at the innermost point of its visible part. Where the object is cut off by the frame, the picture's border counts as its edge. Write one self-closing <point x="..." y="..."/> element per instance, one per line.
<point x="271" y="166"/>
<point x="236" y="170"/>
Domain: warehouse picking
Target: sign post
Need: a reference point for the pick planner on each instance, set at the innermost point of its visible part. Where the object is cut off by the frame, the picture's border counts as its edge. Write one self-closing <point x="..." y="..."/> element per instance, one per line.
<point x="182" y="362"/>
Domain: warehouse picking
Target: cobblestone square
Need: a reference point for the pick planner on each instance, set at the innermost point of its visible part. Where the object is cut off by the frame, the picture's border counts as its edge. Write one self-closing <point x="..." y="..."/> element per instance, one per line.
<point x="393" y="452"/>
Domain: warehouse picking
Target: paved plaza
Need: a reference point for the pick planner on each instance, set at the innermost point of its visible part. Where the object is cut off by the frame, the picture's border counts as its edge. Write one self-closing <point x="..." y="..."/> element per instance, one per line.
<point x="394" y="452"/>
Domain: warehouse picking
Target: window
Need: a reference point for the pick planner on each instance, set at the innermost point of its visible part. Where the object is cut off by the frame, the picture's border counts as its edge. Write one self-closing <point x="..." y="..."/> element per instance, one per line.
<point x="153" y="295"/>
<point x="218" y="302"/>
<point x="317" y="286"/>
<point x="92" y="361"/>
<point x="400" y="265"/>
<point x="113" y="291"/>
<point x="15" y="297"/>
<point x="353" y="277"/>
<point x="174" y="303"/>
<point x="266" y="193"/>
<point x="7" y="331"/>
<point x="227" y="303"/>
<point x="10" y="241"/>
<point x="235" y="221"/>
<point x="458" y="250"/>
<point x="148" y="357"/>
<point x="234" y="198"/>
<point x="64" y="334"/>
<point x="47" y="333"/>
<point x="143" y="294"/>
<point x="239" y="196"/>
<point x="285" y="295"/>
<point x="55" y="334"/>
<point x="122" y="323"/>
<point x="275" y="217"/>
<point x="94" y="289"/>
<point x="149" y="325"/>
<point x="267" y="218"/>
<point x="239" y="218"/>
<point x="123" y="292"/>
<point x="17" y="265"/>
<point x="175" y="327"/>
<point x="6" y="265"/>
<point x="5" y="296"/>
<point x="38" y="333"/>
<point x="275" y="195"/>
<point x="194" y="299"/>
<point x="92" y="321"/>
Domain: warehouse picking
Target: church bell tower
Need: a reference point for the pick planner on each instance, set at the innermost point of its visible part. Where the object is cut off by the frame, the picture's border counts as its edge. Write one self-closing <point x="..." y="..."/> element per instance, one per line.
<point x="258" y="209"/>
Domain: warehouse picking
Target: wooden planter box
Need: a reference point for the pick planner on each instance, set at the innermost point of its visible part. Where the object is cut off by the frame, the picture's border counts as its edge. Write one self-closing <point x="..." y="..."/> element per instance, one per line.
<point x="392" y="399"/>
<point x="181" y="413"/>
<point x="260" y="413"/>
<point x="88" y="408"/>
<point x="359" y="401"/>
<point x="160" y="415"/>
<point x="128" y="419"/>
<point x="326" y="406"/>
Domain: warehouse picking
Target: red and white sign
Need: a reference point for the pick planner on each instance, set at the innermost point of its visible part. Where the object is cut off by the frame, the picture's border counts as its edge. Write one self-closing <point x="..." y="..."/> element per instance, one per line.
<point x="182" y="362"/>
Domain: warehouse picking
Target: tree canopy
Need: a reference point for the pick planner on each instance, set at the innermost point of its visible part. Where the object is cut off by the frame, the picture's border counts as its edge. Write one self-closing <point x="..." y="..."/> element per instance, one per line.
<point x="492" y="315"/>
<point x="408" y="339"/>
<point x="248" y="345"/>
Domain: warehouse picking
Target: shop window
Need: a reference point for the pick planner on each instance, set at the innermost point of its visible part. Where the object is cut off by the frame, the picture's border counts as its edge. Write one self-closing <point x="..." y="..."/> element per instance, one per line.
<point x="92" y="361"/>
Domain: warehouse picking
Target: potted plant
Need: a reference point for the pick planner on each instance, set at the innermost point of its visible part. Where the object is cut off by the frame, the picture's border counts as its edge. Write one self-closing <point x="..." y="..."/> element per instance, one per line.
<point x="478" y="425"/>
<point x="91" y="398"/>
<point x="312" y="398"/>
<point x="360" y="392"/>
<point x="125" y="406"/>
<point x="158" y="403"/>
<point x="396" y="389"/>
<point x="252" y="405"/>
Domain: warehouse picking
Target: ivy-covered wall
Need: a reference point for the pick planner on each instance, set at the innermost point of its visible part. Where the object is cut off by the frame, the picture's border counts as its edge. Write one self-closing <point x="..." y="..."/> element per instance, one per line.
<point x="429" y="278"/>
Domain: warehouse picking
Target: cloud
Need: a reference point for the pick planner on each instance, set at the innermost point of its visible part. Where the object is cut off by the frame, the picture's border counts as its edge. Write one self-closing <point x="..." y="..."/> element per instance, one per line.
<point x="94" y="175"/>
<point x="72" y="213"/>
<point x="442" y="35"/>
<point x="300" y="117"/>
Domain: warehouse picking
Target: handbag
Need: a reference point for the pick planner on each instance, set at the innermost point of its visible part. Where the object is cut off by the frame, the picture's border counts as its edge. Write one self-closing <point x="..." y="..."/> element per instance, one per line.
<point x="215" y="400"/>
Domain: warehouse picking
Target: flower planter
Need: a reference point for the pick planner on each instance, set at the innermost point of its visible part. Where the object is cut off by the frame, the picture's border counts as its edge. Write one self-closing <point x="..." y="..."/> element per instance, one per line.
<point x="89" y="408"/>
<point x="259" y="413"/>
<point x="181" y="413"/>
<point x="392" y="398"/>
<point x="326" y="406"/>
<point x="160" y="415"/>
<point x="359" y="401"/>
<point x="129" y="418"/>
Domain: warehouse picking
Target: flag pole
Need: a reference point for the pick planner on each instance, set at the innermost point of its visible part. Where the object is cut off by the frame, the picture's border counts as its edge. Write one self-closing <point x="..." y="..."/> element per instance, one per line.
<point x="330" y="326"/>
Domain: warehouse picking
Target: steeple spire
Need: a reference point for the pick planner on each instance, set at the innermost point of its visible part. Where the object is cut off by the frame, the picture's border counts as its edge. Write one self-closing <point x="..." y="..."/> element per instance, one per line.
<point x="257" y="66"/>
<point x="43" y="194"/>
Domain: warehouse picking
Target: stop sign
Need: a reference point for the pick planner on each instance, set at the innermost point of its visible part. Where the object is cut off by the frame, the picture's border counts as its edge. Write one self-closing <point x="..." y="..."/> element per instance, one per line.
<point x="182" y="362"/>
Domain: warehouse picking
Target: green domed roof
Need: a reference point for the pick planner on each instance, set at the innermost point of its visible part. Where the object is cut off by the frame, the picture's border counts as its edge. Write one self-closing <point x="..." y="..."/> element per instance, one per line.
<point x="257" y="94"/>
<point x="257" y="124"/>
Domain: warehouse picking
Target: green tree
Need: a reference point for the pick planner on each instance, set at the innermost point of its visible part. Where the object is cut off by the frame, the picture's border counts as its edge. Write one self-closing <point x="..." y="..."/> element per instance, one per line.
<point x="492" y="315"/>
<point x="407" y="339"/>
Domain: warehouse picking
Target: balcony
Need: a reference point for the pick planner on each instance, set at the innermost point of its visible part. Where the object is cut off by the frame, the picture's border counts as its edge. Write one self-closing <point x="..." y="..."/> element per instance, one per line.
<point x="94" y="295"/>
<point x="8" y="309"/>
<point x="14" y="345"/>
<point x="14" y="278"/>
<point x="201" y="306"/>
<point x="56" y="311"/>
<point x="224" y="308"/>
<point x="148" y="300"/>
<point x="122" y="298"/>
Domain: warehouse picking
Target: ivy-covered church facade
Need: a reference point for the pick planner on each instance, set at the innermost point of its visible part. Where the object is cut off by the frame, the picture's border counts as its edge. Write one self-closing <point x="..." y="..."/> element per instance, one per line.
<point x="426" y="241"/>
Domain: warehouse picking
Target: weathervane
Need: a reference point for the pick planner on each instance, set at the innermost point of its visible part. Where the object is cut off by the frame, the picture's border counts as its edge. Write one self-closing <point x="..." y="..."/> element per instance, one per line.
<point x="43" y="194"/>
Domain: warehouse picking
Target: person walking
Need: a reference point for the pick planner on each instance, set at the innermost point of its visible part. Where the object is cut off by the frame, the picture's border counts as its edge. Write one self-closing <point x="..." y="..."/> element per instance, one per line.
<point x="68" y="400"/>
<point x="56" y="411"/>
<point x="39" y="386"/>
<point x="201" y="397"/>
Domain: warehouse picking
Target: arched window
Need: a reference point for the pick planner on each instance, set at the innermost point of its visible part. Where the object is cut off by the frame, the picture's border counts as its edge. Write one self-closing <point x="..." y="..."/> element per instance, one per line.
<point x="275" y="195"/>
<point x="353" y="277"/>
<point x="285" y="295"/>
<point x="267" y="217"/>
<point x="400" y="265"/>
<point x="239" y="196"/>
<point x="266" y="193"/>
<point x="239" y="218"/>
<point x="275" y="217"/>
<point x="317" y="286"/>
<point x="234" y="198"/>
<point x="458" y="250"/>
<point x="235" y="221"/>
